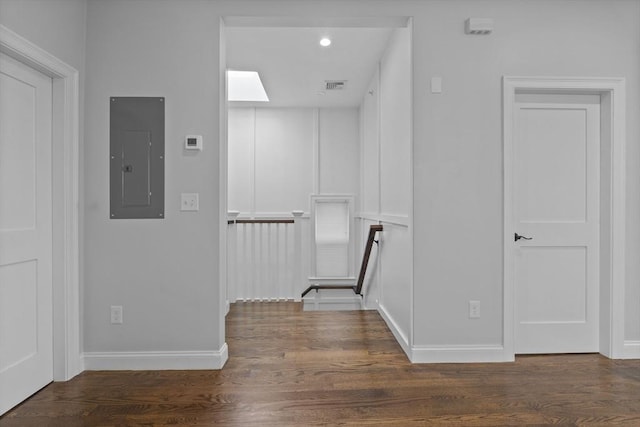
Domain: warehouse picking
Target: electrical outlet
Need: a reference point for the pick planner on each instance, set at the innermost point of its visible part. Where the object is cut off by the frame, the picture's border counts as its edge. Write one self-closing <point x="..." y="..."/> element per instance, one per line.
<point x="116" y="315"/>
<point x="474" y="309"/>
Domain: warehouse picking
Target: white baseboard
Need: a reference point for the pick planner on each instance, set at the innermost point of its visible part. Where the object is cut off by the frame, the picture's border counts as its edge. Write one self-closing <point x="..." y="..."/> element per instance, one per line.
<point x="631" y="350"/>
<point x="401" y="337"/>
<point x="155" y="360"/>
<point x="459" y="354"/>
<point x="334" y="304"/>
<point x="332" y="300"/>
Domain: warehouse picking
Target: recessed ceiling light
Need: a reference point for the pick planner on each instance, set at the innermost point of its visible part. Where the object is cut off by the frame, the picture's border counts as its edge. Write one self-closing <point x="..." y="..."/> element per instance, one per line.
<point x="245" y="86"/>
<point x="325" y="42"/>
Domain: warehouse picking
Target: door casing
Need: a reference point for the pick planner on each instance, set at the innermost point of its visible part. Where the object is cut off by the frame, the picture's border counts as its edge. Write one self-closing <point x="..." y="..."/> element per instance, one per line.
<point x="67" y="358"/>
<point x="612" y="201"/>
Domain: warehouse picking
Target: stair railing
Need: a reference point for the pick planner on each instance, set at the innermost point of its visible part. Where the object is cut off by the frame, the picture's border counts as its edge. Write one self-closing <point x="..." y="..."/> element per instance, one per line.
<point x="357" y="289"/>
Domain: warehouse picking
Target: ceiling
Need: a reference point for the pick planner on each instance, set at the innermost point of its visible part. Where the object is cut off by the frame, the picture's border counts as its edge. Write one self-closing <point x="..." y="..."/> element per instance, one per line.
<point x="294" y="67"/>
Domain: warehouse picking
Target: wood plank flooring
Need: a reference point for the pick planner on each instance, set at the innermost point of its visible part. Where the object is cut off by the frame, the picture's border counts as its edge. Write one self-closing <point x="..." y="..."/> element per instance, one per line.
<point x="294" y="368"/>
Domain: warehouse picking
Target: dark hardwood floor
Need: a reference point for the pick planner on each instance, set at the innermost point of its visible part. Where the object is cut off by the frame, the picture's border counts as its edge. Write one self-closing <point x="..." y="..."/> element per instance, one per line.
<point x="294" y="368"/>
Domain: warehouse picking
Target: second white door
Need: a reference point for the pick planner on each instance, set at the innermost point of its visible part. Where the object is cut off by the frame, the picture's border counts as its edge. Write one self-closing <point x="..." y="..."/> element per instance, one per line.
<point x="556" y="223"/>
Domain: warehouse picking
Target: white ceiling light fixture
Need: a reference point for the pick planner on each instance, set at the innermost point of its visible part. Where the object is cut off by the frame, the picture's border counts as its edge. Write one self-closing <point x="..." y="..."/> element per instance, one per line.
<point x="245" y="86"/>
<point x="325" y="42"/>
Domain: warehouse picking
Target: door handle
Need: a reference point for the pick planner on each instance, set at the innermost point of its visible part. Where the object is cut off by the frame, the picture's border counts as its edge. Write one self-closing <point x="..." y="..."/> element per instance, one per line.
<point x="517" y="237"/>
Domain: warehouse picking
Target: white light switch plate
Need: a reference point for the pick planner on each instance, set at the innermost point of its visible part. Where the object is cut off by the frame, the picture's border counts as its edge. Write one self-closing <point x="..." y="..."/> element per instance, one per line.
<point x="436" y="84"/>
<point x="189" y="202"/>
<point x="116" y="315"/>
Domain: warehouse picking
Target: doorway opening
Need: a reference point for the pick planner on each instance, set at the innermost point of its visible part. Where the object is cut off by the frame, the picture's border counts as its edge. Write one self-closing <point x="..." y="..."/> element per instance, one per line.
<point x="317" y="136"/>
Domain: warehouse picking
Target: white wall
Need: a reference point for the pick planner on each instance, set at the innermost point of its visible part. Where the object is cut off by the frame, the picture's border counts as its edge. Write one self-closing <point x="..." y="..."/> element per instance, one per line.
<point x="458" y="146"/>
<point x="338" y="154"/>
<point x="270" y="160"/>
<point x="140" y="47"/>
<point x="57" y="26"/>
<point x="395" y="125"/>
<point x="386" y="182"/>
<point x="370" y="185"/>
<point x="163" y="272"/>
<point x="284" y="160"/>
<point x="370" y="147"/>
<point x="241" y="133"/>
<point x="278" y="157"/>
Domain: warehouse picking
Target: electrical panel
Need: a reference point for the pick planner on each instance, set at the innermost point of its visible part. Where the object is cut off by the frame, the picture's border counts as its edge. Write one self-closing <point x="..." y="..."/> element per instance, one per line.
<point x="136" y="135"/>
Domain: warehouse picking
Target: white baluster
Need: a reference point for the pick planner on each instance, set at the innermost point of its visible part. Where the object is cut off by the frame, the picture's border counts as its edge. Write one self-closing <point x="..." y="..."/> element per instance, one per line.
<point x="232" y="257"/>
<point x="297" y="254"/>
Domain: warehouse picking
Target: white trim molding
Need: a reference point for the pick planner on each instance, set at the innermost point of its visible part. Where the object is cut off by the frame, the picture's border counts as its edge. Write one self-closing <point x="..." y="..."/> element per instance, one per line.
<point x="612" y="256"/>
<point x="223" y="225"/>
<point x="397" y="332"/>
<point x="399" y="220"/>
<point x="155" y="360"/>
<point x="65" y="167"/>
<point x="458" y="354"/>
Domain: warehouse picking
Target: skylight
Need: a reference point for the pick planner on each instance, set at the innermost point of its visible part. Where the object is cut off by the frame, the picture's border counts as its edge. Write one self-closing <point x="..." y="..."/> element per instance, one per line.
<point x="245" y="86"/>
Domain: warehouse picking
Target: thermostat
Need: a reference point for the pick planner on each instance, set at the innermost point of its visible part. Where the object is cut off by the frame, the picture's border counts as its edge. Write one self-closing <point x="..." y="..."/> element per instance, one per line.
<point x="193" y="142"/>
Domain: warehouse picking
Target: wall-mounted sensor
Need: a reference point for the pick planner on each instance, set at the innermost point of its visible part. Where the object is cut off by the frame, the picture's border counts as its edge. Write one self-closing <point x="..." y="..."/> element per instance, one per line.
<point x="193" y="142"/>
<point x="478" y="26"/>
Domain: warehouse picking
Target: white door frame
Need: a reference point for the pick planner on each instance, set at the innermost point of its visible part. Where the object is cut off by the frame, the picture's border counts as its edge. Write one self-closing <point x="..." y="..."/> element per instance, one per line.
<point x="67" y="361"/>
<point x="612" y="201"/>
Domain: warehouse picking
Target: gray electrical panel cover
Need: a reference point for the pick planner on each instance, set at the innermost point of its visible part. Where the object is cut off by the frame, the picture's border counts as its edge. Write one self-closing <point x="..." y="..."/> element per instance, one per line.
<point x="136" y="157"/>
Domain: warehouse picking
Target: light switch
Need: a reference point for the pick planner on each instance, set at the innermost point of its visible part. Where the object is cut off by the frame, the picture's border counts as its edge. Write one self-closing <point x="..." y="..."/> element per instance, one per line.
<point x="436" y="84"/>
<point x="189" y="202"/>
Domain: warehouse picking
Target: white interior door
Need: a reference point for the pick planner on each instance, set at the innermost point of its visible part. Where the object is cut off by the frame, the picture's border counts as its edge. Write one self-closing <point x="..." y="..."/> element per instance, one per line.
<point x="26" y="336"/>
<point x="556" y="205"/>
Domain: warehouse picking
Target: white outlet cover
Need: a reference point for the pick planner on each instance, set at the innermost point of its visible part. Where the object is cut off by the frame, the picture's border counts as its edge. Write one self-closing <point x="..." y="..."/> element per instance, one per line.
<point x="189" y="202"/>
<point x="116" y="315"/>
<point x="474" y="309"/>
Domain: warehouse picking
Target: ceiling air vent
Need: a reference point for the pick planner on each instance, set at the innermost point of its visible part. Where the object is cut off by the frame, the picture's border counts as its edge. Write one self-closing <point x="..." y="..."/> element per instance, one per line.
<point x="334" y="84"/>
